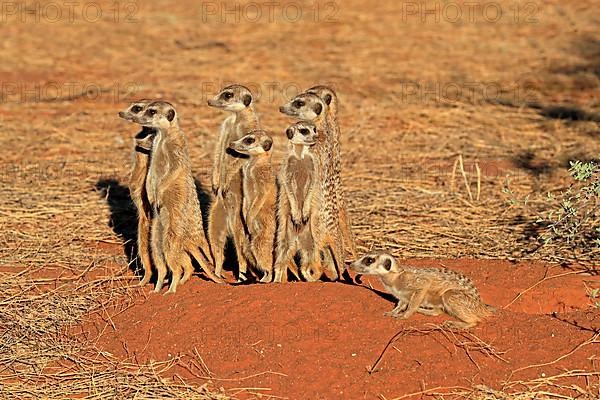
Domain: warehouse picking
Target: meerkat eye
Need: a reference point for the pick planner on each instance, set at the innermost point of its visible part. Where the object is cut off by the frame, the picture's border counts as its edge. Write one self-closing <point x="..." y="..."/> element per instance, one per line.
<point x="136" y="109"/>
<point x="227" y="95"/>
<point x="304" y="131"/>
<point x="369" y="260"/>
<point x="249" y="140"/>
<point x="298" y="104"/>
<point x="387" y="264"/>
<point x="152" y="112"/>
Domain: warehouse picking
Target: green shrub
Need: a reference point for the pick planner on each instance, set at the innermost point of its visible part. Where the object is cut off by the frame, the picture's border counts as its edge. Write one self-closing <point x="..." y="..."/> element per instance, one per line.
<point x="573" y="221"/>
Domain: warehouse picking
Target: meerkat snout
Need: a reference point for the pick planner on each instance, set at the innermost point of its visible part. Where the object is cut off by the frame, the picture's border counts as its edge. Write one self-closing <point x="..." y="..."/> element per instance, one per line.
<point x="306" y="106"/>
<point x="232" y="98"/>
<point x="158" y="115"/>
<point x="373" y="264"/>
<point x="254" y="143"/>
<point x="134" y="109"/>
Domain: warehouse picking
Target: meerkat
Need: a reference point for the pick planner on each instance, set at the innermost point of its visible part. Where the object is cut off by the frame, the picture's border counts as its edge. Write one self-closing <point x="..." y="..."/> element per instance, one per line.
<point x="137" y="186"/>
<point x="310" y="107"/>
<point x="225" y="214"/>
<point x="427" y="291"/>
<point x="176" y="233"/>
<point x="299" y="205"/>
<point x="259" y="199"/>
<point x="328" y="95"/>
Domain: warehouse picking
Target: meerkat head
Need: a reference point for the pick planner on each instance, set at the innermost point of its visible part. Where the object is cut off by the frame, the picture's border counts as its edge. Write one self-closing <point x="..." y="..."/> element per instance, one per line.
<point x="254" y="143"/>
<point x="377" y="263"/>
<point x="234" y="98"/>
<point x="328" y="95"/>
<point x="157" y="115"/>
<point x="305" y="106"/>
<point x="134" y="109"/>
<point x="302" y="132"/>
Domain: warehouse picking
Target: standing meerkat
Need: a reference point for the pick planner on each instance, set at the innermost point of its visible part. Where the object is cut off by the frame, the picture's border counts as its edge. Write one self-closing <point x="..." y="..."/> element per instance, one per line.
<point x="137" y="185"/>
<point x="299" y="205"/>
<point x="428" y="291"/>
<point x="225" y="214"/>
<point x="259" y="199"/>
<point x="309" y="107"/>
<point x="177" y="232"/>
<point x="328" y="95"/>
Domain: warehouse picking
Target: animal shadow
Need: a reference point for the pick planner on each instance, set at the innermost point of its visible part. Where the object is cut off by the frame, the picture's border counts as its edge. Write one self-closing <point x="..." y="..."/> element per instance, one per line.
<point x="123" y="218"/>
<point x="527" y="160"/>
<point x="384" y="295"/>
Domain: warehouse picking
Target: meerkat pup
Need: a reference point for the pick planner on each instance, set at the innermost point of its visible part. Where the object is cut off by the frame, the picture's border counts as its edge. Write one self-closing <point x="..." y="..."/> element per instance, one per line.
<point x="137" y="185"/>
<point x="328" y="95"/>
<point x="225" y="215"/>
<point x="428" y="291"/>
<point x="259" y="199"/>
<point x="299" y="205"/>
<point x="310" y="107"/>
<point x="176" y="232"/>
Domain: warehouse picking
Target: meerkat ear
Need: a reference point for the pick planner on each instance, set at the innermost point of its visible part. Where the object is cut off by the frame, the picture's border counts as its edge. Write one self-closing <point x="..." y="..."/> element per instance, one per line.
<point x="171" y="115"/>
<point x="328" y="99"/>
<point x="267" y="144"/>
<point x="387" y="264"/>
<point x="289" y="133"/>
<point x="318" y="109"/>
<point x="247" y="100"/>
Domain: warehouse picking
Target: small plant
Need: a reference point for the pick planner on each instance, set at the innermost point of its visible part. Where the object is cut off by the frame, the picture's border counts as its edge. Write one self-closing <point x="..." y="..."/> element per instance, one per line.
<point x="575" y="220"/>
<point x="513" y="200"/>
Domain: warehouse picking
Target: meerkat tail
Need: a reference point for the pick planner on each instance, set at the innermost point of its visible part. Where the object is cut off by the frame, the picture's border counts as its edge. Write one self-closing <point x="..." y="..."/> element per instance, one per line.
<point x="347" y="234"/>
<point x="203" y="261"/>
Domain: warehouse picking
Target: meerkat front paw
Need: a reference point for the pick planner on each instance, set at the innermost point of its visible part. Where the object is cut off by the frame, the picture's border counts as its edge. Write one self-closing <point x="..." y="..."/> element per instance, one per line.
<point x="297" y="219"/>
<point x="297" y="223"/>
<point x="305" y="216"/>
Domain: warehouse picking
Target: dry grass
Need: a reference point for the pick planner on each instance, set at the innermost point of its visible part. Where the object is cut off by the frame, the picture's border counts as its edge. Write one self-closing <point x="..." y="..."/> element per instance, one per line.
<point x="569" y="384"/>
<point x="460" y="339"/>
<point x="41" y="359"/>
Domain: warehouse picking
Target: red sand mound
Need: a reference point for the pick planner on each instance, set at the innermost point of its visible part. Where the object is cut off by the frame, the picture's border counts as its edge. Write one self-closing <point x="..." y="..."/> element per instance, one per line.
<point x="315" y="341"/>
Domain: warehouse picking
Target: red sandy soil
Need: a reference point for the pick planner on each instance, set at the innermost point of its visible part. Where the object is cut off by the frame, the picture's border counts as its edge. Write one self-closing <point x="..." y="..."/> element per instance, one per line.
<point x="315" y="340"/>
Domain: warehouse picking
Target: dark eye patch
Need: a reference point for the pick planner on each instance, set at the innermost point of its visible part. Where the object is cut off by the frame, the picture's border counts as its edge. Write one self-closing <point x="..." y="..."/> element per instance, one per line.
<point x="136" y="109"/>
<point x="267" y="144"/>
<point x="304" y="131"/>
<point x="387" y="264"/>
<point x="249" y="140"/>
<point x="227" y="95"/>
<point x="318" y="108"/>
<point x="151" y="112"/>
<point x="369" y="260"/>
<point x="298" y="104"/>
